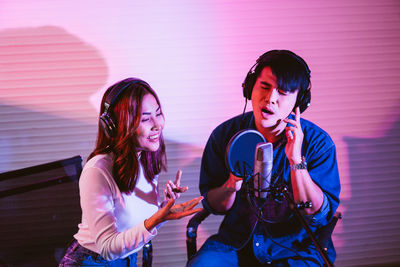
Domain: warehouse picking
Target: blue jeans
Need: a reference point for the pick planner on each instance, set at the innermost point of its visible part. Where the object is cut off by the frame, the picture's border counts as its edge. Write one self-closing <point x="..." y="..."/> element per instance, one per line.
<point x="77" y="255"/>
<point x="217" y="254"/>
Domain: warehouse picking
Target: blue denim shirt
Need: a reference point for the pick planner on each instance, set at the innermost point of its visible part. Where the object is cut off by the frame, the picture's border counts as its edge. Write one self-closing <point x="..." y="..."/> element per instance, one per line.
<point x="282" y="236"/>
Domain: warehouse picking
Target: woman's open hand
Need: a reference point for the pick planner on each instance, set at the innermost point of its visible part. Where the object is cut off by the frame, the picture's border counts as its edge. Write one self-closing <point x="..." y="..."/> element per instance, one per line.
<point x="172" y="212"/>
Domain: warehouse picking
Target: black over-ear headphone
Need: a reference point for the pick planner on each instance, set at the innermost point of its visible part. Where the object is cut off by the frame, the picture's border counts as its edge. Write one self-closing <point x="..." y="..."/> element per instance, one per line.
<point x="106" y="120"/>
<point x="303" y="97"/>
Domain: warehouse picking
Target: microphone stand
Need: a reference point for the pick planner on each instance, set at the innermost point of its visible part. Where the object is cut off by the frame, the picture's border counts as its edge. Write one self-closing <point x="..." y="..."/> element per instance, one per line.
<point x="296" y="210"/>
<point x="282" y="190"/>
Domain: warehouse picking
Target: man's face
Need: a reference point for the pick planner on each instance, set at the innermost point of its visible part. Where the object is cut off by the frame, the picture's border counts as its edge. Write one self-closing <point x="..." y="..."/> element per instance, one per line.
<point x="270" y="104"/>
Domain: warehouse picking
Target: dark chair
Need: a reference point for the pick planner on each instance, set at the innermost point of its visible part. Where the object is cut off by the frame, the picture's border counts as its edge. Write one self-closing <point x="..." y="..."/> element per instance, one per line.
<point x="191" y="232"/>
<point x="147" y="259"/>
<point x="39" y="213"/>
<point x="324" y="233"/>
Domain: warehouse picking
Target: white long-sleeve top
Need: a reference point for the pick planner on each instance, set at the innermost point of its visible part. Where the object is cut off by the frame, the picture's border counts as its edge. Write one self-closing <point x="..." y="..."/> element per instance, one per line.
<point x="113" y="222"/>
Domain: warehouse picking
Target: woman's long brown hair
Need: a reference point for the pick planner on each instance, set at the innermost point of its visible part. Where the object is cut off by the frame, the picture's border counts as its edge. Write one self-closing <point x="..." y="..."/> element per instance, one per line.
<point x="126" y="112"/>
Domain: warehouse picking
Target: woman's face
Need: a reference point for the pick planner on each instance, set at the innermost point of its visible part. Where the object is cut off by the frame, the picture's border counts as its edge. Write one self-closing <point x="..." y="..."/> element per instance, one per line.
<point x="151" y="124"/>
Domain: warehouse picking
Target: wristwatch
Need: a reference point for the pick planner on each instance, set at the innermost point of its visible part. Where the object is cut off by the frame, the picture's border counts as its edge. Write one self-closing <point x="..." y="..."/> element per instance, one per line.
<point x="300" y="166"/>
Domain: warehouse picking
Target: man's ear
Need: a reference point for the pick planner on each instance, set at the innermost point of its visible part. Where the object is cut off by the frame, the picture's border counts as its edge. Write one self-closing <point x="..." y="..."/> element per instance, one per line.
<point x="294" y="109"/>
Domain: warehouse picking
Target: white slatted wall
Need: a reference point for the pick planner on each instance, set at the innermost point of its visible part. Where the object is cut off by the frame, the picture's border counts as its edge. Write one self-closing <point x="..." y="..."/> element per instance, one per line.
<point x="56" y="59"/>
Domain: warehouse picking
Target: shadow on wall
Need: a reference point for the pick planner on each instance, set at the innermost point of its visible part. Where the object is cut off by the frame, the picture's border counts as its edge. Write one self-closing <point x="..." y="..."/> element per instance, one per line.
<point x="372" y="215"/>
<point x="47" y="77"/>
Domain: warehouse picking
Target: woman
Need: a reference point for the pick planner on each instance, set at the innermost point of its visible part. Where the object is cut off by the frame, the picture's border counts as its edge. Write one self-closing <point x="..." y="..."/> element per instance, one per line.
<point x="121" y="207"/>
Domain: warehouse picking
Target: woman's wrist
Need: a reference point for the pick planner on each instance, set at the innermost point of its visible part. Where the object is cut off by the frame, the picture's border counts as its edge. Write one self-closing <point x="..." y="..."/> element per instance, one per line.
<point x="151" y="222"/>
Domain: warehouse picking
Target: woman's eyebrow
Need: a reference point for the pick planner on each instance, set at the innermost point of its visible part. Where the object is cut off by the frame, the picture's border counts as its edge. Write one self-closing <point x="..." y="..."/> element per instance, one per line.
<point x="149" y="113"/>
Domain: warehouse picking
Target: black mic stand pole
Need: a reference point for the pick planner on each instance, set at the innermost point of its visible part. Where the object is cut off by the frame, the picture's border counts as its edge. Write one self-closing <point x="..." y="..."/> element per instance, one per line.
<point x="296" y="211"/>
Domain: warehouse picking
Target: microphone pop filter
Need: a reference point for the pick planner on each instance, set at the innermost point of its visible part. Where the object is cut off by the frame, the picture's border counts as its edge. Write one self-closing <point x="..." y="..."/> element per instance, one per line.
<point x="240" y="151"/>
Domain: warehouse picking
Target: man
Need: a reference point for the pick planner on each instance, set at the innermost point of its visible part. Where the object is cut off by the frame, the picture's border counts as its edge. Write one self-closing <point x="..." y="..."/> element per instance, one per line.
<point x="304" y="161"/>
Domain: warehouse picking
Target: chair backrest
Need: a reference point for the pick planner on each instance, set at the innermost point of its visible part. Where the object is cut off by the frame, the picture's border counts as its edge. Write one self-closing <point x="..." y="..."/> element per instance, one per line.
<point x="147" y="259"/>
<point x="39" y="212"/>
<point x="325" y="233"/>
<point x="191" y="232"/>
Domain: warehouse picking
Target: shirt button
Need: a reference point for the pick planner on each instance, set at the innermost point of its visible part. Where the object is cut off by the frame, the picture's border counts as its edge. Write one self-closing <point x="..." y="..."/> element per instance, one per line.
<point x="257" y="244"/>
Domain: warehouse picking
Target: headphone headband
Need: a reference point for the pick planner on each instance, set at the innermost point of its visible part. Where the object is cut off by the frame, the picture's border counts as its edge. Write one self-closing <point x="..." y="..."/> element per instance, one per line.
<point x="106" y="120"/>
<point x="115" y="93"/>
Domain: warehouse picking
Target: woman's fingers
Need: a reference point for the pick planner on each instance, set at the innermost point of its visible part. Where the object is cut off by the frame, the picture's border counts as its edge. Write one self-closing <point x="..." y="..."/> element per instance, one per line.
<point x="177" y="184"/>
<point x="188" y="212"/>
<point x="191" y="203"/>
<point x="188" y="205"/>
<point x="169" y="191"/>
<point x="173" y="188"/>
<point x="178" y="178"/>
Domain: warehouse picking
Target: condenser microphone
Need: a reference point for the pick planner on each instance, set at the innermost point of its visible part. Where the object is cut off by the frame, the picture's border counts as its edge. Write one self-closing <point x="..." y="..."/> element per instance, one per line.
<point x="263" y="161"/>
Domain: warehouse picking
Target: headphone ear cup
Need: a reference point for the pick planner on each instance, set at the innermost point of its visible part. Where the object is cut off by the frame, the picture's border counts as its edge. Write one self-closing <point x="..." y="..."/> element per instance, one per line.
<point x="107" y="124"/>
<point x="304" y="101"/>
<point x="248" y="84"/>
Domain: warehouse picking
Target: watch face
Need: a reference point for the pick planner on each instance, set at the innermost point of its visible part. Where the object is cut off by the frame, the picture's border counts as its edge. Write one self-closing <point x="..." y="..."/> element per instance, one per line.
<point x="301" y="166"/>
